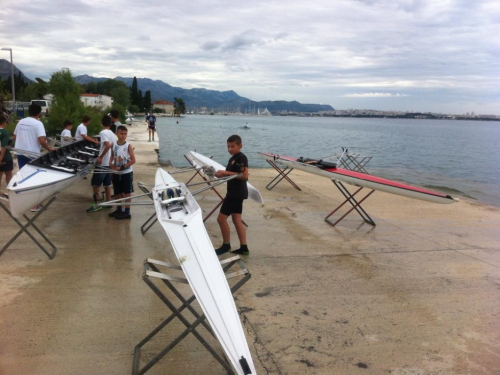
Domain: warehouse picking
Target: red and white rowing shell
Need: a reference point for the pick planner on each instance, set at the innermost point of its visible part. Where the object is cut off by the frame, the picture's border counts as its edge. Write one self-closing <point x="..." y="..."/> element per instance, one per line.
<point x="363" y="180"/>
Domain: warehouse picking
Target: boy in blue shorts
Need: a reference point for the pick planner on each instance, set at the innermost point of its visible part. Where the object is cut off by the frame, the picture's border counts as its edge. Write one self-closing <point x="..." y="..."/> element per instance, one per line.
<point x="100" y="177"/>
<point x="121" y="161"/>
<point x="237" y="191"/>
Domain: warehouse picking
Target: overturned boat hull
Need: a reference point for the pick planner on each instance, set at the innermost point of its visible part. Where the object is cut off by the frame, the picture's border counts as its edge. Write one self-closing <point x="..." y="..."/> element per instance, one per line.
<point x="50" y="174"/>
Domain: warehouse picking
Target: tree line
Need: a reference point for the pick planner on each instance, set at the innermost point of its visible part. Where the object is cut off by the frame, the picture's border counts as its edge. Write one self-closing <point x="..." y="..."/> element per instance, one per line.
<point x="130" y="98"/>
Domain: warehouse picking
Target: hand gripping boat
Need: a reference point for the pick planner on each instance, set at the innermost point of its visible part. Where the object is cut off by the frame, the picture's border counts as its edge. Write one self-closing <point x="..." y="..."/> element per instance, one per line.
<point x="200" y="161"/>
<point x="180" y="216"/>
<point x="330" y="171"/>
<point x="49" y="174"/>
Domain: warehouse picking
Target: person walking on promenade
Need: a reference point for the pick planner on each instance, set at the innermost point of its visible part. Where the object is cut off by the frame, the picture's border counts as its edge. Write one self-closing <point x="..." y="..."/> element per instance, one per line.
<point x="151" y="120"/>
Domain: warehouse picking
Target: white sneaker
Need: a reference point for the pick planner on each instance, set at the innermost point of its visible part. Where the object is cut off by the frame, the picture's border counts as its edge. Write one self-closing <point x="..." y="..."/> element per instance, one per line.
<point x="37" y="208"/>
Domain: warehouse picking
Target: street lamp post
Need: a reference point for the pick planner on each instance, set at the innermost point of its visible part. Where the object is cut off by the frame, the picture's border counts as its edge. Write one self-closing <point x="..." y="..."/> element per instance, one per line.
<point x="12" y="78"/>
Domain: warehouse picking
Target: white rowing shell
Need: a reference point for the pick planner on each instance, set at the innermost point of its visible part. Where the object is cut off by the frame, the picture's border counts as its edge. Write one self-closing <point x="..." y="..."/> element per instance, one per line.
<point x="200" y="161"/>
<point x="196" y="255"/>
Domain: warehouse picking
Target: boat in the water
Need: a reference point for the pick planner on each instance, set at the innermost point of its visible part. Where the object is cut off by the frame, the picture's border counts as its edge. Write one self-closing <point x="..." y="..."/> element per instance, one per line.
<point x="180" y="216"/>
<point x="329" y="170"/>
<point x="49" y="174"/>
<point x="199" y="161"/>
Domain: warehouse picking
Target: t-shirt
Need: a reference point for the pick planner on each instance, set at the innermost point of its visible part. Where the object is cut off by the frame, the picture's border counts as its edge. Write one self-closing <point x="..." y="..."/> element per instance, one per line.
<point x="152" y="120"/>
<point x="4" y="139"/>
<point x="237" y="188"/>
<point x="27" y="132"/>
<point x="121" y="157"/>
<point x="106" y="136"/>
<point x="82" y="129"/>
<point x="66" y="133"/>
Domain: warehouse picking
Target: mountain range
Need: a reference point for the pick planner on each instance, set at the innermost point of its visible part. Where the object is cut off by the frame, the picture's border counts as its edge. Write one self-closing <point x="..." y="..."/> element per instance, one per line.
<point x="194" y="98"/>
<point x="5" y="71"/>
<point x="212" y="99"/>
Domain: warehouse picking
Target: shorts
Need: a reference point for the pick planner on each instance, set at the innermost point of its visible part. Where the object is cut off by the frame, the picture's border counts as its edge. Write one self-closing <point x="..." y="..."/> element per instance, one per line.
<point x="99" y="179"/>
<point x="22" y="160"/>
<point x="122" y="183"/>
<point x="152" y="127"/>
<point x="7" y="167"/>
<point x="232" y="206"/>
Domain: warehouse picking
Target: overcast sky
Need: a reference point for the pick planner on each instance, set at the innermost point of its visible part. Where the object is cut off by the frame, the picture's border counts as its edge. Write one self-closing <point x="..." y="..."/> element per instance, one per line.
<point x="408" y="55"/>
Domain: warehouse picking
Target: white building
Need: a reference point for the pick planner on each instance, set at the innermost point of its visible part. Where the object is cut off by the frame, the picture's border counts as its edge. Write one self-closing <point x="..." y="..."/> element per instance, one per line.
<point x="164" y="105"/>
<point x="96" y="100"/>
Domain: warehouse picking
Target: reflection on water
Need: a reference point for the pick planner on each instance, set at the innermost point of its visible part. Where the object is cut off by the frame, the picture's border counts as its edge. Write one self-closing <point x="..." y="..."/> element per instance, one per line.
<point x="459" y="155"/>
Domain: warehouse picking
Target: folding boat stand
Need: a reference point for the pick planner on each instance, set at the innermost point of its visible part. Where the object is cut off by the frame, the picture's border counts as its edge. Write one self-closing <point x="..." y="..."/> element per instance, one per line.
<point x="353" y="162"/>
<point x="282" y="174"/>
<point x="24" y="229"/>
<point x="151" y="271"/>
<point x="152" y="219"/>
<point x="212" y="188"/>
<point x="356" y="205"/>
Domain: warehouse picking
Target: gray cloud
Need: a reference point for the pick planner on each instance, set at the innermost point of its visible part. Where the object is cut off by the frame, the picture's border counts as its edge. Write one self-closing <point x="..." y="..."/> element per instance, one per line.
<point x="321" y="51"/>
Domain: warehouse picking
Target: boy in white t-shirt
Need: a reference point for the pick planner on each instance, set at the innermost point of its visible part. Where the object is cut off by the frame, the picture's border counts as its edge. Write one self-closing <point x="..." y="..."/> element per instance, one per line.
<point x="121" y="161"/>
<point x="102" y="175"/>
<point x="81" y="131"/>
<point x="66" y="133"/>
<point x="29" y="135"/>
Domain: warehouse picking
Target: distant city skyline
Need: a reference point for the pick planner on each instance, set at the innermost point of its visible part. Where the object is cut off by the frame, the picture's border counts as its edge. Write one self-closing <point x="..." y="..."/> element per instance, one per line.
<point x="401" y="55"/>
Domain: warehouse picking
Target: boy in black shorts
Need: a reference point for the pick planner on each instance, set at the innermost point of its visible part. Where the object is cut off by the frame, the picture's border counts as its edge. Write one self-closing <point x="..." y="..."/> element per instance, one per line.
<point x="237" y="191"/>
<point x="121" y="161"/>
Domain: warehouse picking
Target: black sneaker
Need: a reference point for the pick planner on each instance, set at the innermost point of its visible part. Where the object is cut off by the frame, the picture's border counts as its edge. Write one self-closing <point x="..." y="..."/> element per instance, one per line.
<point x="114" y="213"/>
<point x="123" y="216"/>
<point x="241" y="251"/>
<point x="223" y="249"/>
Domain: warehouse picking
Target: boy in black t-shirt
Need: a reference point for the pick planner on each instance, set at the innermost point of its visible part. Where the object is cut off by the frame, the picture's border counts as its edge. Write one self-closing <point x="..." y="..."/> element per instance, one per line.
<point x="237" y="191"/>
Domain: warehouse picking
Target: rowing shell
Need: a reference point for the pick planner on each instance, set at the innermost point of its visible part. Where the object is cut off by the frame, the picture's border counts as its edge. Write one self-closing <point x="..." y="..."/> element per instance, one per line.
<point x="199" y="161"/>
<point x="362" y="180"/>
<point x="49" y="174"/>
<point x="180" y="216"/>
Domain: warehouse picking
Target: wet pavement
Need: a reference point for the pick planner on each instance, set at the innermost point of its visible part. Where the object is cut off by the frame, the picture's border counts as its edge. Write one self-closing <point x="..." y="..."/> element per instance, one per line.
<point x="416" y="294"/>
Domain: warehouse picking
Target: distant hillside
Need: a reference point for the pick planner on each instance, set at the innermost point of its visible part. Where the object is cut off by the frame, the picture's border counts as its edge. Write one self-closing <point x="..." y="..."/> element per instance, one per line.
<point x="5" y="71"/>
<point x="212" y="99"/>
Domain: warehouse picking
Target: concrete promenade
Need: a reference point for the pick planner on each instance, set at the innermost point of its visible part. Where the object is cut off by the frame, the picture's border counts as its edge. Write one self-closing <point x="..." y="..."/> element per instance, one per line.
<point x="417" y="294"/>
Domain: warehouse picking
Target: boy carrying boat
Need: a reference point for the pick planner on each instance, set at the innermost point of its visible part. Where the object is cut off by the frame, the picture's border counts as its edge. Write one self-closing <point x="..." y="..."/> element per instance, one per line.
<point x="102" y="175"/>
<point x="81" y="130"/>
<point x="66" y="133"/>
<point x="121" y="161"/>
<point x="237" y="191"/>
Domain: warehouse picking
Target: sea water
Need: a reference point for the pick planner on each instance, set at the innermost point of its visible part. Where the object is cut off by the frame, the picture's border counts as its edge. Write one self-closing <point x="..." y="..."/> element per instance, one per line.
<point x="456" y="157"/>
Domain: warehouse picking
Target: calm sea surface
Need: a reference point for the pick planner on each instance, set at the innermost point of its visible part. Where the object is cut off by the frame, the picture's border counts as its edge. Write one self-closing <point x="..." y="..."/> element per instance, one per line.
<point x="456" y="157"/>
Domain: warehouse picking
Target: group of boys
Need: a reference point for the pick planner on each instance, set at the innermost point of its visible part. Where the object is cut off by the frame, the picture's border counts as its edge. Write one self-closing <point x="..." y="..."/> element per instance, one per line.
<point x="113" y="165"/>
<point x="116" y="157"/>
